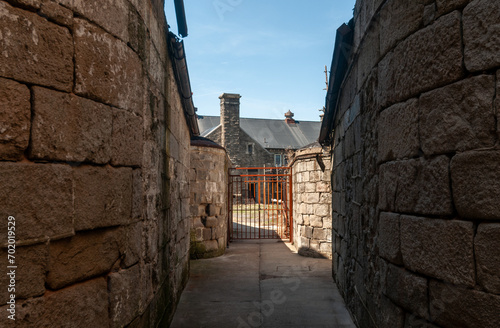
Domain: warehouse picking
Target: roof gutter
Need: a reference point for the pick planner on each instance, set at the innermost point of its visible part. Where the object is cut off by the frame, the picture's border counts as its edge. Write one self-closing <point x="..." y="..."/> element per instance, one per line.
<point x="182" y="77"/>
<point x="340" y="60"/>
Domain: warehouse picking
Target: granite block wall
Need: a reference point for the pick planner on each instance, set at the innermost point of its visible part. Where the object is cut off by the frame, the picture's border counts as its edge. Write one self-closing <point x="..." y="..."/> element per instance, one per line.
<point x="209" y="187"/>
<point x="94" y="164"/>
<point x="416" y="165"/>
<point x="312" y="221"/>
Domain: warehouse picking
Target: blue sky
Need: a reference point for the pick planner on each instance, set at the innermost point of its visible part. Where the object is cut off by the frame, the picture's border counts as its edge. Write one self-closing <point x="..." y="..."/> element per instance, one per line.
<point x="271" y="52"/>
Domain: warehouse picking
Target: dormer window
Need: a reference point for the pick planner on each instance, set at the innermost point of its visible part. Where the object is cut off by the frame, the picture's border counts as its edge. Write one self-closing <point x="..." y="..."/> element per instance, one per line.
<point x="249" y="149"/>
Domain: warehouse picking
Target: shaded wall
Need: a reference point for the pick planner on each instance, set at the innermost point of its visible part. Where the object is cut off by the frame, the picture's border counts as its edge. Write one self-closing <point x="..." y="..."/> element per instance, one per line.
<point x="209" y="187"/>
<point x="312" y="222"/>
<point x="416" y="172"/>
<point x="94" y="160"/>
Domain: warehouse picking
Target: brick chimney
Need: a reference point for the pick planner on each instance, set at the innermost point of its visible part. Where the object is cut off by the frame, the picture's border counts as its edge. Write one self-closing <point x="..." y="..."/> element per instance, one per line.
<point x="289" y="117"/>
<point x="230" y="120"/>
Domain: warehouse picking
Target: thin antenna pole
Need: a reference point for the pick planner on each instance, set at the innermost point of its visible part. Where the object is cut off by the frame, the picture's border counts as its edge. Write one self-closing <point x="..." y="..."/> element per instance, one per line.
<point x="326" y="78"/>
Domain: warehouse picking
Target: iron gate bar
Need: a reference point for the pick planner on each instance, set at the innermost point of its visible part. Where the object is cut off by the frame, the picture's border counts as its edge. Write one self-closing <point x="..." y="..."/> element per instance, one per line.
<point x="260" y="205"/>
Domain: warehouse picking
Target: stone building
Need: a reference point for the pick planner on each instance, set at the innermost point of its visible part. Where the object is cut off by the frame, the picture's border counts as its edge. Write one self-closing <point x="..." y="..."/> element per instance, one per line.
<point x="412" y="117"/>
<point x="94" y="163"/>
<point x="254" y="142"/>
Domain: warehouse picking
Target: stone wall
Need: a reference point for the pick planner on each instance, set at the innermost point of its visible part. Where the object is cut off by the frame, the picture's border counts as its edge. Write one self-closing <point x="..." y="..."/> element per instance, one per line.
<point x="312" y="222"/>
<point x="94" y="160"/>
<point x="209" y="187"/>
<point x="416" y="212"/>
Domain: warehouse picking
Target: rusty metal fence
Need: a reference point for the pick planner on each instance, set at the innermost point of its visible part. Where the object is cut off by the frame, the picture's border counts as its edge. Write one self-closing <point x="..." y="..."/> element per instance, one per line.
<point x="260" y="203"/>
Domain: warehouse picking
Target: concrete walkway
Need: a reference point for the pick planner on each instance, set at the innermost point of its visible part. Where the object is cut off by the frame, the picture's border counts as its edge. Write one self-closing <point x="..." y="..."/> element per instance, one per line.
<point x="261" y="284"/>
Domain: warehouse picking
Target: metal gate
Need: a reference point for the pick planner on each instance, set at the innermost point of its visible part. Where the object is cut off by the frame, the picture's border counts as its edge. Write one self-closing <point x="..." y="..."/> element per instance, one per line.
<point x="260" y="203"/>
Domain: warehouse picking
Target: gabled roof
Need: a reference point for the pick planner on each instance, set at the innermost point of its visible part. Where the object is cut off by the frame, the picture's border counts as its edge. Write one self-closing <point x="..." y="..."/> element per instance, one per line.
<point x="269" y="133"/>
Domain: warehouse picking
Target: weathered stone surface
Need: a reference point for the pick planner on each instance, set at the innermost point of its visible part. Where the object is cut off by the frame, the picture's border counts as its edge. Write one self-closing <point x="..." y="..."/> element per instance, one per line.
<point x="31" y="262"/>
<point x="56" y="12"/>
<point x="35" y="50"/>
<point x="133" y="244"/>
<point x="481" y="35"/>
<point x="124" y="306"/>
<point x="84" y="304"/>
<point x="127" y="139"/>
<point x="211" y="222"/>
<point x="475" y="180"/>
<point x="398" y="131"/>
<point x="31" y="4"/>
<point x="15" y="116"/>
<point x="106" y="69"/>
<point x="319" y="234"/>
<point x="458" y="117"/>
<point x="112" y="15"/>
<point x="103" y="196"/>
<point x="69" y="128"/>
<point x="451" y="306"/>
<point x="368" y="53"/>
<point x="389" y="315"/>
<point x="398" y="19"/>
<point x="407" y="290"/>
<point x="446" y="6"/>
<point x="83" y="256"/>
<point x="388" y="237"/>
<point x="443" y="249"/>
<point x="487" y="246"/>
<point x="49" y="211"/>
<point x="409" y="70"/>
<point x="404" y="186"/>
<point x="137" y="194"/>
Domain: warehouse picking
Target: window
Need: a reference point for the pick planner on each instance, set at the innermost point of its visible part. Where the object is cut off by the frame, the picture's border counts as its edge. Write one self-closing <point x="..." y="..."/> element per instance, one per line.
<point x="277" y="159"/>
<point x="250" y="149"/>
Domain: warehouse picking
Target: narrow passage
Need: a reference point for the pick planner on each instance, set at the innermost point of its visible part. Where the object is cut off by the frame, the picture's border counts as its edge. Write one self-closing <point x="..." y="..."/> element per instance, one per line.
<point x="261" y="284"/>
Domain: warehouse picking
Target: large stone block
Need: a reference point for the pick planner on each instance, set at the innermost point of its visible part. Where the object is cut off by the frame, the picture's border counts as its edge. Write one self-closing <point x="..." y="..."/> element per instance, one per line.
<point x="40" y="197"/>
<point x="103" y="197"/>
<point x="124" y="296"/>
<point x="398" y="19"/>
<point x="481" y="35"/>
<point x="133" y="244"/>
<point x="475" y="180"/>
<point x="445" y="6"/>
<point x="81" y="305"/>
<point x="106" y="69"/>
<point x="15" y="119"/>
<point x="112" y="15"/>
<point x="83" y="256"/>
<point x="407" y="290"/>
<point x="398" y="131"/>
<point x="416" y="186"/>
<point x="389" y="237"/>
<point x="443" y="249"/>
<point x="69" y="128"/>
<point x="127" y="139"/>
<point x="54" y="11"/>
<point x="458" y="117"/>
<point x="452" y="306"/>
<point x="31" y="262"/>
<point x="35" y="50"/>
<point x="427" y="59"/>
<point x="487" y="246"/>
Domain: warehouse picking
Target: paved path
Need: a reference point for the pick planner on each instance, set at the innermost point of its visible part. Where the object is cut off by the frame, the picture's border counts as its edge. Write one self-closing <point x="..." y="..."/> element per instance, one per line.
<point x="261" y="284"/>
